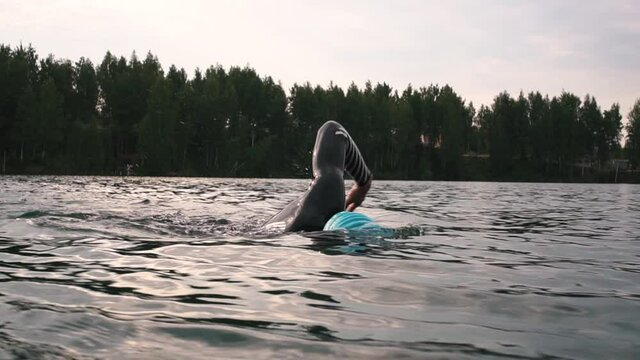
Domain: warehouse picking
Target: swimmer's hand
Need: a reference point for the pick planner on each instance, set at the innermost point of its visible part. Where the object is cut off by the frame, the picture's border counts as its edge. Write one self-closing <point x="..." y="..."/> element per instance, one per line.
<point x="357" y="194"/>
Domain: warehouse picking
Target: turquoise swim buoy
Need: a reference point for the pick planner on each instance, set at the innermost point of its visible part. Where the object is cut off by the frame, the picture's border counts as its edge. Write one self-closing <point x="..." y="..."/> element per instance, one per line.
<point x="346" y="220"/>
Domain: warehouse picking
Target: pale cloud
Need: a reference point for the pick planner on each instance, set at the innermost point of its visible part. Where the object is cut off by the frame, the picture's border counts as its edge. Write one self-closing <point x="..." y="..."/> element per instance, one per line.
<point x="551" y="46"/>
<point x="479" y="47"/>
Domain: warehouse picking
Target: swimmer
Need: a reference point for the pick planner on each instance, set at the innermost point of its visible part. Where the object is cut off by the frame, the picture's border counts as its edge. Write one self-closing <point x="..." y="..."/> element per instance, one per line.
<point x="333" y="154"/>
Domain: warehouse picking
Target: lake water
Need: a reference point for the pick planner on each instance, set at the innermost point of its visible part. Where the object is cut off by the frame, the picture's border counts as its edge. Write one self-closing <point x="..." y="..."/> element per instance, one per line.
<point x="168" y="268"/>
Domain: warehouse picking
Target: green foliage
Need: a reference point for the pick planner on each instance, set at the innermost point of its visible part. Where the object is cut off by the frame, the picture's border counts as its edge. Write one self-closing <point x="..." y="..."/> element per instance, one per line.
<point x="125" y="115"/>
<point x="633" y="134"/>
<point x="158" y="130"/>
<point x="608" y="141"/>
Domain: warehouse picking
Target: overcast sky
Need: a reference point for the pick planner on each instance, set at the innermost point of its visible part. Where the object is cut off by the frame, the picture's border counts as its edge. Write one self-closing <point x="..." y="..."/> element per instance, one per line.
<point x="480" y="48"/>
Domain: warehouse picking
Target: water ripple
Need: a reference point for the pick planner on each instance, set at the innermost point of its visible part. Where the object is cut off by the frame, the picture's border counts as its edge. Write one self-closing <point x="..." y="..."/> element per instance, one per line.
<point x="94" y="267"/>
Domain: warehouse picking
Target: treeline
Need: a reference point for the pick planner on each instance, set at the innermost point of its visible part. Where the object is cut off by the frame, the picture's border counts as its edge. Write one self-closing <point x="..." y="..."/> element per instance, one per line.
<point x="128" y="115"/>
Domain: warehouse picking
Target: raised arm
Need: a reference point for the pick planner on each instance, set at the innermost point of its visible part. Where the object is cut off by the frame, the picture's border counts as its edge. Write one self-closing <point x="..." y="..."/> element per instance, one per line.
<point x="354" y="164"/>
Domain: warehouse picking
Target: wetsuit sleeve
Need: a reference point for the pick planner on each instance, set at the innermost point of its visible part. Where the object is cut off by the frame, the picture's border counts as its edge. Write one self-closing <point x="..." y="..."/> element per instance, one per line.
<point x="354" y="163"/>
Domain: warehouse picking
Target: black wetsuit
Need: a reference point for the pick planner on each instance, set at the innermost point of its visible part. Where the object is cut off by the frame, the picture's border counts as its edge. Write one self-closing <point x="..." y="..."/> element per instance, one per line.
<point x="333" y="153"/>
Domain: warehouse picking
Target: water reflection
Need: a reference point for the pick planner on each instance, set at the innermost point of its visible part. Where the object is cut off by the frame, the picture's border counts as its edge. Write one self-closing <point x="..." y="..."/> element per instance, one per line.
<point x="144" y="267"/>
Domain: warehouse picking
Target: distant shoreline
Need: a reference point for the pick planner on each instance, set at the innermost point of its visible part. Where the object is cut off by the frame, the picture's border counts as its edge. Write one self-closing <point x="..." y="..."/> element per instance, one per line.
<point x="625" y="177"/>
<point x="127" y="116"/>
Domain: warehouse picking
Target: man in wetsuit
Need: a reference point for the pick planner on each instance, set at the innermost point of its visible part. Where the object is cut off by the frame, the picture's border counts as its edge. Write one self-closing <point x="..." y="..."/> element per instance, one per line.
<point x="333" y="153"/>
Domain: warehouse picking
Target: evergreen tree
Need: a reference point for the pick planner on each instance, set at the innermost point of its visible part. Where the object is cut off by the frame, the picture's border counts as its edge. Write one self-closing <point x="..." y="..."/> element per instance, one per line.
<point x="590" y="130"/>
<point x="158" y="130"/>
<point x="609" y="142"/>
<point x="541" y="130"/>
<point x="633" y="134"/>
<point x="502" y="127"/>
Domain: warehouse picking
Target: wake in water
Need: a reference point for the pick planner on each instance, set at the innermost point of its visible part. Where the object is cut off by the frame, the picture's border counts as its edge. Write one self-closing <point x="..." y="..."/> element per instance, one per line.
<point x="198" y="229"/>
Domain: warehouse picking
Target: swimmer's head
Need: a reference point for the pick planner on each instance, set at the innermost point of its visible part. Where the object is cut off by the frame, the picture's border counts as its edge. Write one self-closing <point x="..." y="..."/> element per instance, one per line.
<point x="346" y="220"/>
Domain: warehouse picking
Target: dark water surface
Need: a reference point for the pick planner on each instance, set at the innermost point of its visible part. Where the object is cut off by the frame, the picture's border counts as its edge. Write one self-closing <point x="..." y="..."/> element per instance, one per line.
<point x="168" y="268"/>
